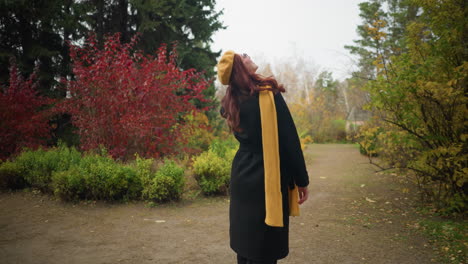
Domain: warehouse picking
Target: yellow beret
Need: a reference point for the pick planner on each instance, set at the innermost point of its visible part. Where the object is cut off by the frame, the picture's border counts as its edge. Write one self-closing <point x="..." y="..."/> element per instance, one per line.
<point x="225" y="67"/>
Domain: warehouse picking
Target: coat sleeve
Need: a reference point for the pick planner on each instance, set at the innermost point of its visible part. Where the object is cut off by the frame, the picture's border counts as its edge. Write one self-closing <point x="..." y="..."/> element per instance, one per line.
<point x="290" y="143"/>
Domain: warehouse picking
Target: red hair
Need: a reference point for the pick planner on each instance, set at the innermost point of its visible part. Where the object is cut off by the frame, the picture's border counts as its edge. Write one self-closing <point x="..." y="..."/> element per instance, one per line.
<point x="243" y="84"/>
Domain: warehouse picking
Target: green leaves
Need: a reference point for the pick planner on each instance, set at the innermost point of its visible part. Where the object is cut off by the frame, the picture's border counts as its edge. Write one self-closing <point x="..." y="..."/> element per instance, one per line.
<point x="212" y="168"/>
<point x="420" y="97"/>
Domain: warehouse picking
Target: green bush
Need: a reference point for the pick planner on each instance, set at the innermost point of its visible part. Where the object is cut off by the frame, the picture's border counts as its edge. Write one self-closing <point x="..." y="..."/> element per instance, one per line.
<point x="161" y="189"/>
<point x="69" y="184"/>
<point x="164" y="185"/>
<point x="338" y="130"/>
<point x="97" y="177"/>
<point x="109" y="180"/>
<point x="38" y="165"/>
<point x="72" y="176"/>
<point x="368" y="140"/>
<point x="134" y="186"/>
<point x="212" y="172"/>
<point x="143" y="170"/>
<point x="11" y="176"/>
<point x="172" y="170"/>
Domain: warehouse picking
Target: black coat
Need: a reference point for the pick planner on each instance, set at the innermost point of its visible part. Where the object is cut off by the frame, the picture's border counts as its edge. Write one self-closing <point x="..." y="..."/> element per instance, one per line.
<point x="250" y="237"/>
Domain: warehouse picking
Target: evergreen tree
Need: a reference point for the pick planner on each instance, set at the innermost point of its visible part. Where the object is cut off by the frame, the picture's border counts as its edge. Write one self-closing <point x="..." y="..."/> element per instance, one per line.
<point x="389" y="18"/>
<point x="34" y="32"/>
<point x="189" y="23"/>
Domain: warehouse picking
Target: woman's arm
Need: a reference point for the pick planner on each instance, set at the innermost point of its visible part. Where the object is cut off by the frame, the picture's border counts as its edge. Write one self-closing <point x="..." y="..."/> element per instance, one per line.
<point x="290" y="142"/>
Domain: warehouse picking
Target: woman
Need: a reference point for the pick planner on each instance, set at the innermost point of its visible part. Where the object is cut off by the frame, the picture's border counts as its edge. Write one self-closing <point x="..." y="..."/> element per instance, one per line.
<point x="251" y="237"/>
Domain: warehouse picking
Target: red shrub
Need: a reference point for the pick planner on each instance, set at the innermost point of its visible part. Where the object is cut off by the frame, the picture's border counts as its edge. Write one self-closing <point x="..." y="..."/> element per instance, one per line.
<point x="126" y="101"/>
<point x="23" y="120"/>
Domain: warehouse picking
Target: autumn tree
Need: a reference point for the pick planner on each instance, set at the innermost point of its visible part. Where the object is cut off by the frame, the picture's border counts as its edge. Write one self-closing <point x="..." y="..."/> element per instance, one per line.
<point x="127" y="101"/>
<point x="23" y="114"/>
<point x="316" y="100"/>
<point x="420" y="98"/>
<point x="381" y="34"/>
<point x="37" y="33"/>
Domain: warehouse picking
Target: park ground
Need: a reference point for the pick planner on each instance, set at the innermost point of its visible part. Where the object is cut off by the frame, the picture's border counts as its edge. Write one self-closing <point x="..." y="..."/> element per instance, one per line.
<point x="353" y="215"/>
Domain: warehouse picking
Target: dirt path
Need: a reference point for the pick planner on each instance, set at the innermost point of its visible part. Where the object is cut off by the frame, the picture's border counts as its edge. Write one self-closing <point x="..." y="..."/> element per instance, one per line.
<point x="337" y="225"/>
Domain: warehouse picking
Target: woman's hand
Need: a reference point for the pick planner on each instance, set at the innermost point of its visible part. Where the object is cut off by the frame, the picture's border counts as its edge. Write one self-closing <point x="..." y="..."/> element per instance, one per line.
<point x="303" y="194"/>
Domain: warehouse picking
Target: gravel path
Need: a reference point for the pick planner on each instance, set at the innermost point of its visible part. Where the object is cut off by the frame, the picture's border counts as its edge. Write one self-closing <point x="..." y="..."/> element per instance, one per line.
<point x="353" y="215"/>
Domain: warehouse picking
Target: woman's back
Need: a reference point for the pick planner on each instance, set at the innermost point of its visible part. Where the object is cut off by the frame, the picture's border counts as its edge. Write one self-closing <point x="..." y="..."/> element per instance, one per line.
<point x="250" y="235"/>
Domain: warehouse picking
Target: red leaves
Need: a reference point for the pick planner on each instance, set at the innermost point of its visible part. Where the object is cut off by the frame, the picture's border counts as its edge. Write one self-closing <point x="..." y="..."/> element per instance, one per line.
<point x="22" y="123"/>
<point x="126" y="101"/>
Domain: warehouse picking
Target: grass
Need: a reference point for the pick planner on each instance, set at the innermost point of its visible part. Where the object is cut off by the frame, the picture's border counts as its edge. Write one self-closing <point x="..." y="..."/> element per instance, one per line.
<point x="449" y="238"/>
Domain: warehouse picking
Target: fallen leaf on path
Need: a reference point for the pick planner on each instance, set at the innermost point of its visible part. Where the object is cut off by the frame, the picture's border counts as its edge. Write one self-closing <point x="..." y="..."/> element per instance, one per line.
<point x="321" y="177"/>
<point x="160" y="221"/>
<point x="370" y="200"/>
<point x="362" y="185"/>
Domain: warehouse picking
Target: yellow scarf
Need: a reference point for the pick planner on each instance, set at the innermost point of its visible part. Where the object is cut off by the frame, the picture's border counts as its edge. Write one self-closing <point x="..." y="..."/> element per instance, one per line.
<point x="271" y="161"/>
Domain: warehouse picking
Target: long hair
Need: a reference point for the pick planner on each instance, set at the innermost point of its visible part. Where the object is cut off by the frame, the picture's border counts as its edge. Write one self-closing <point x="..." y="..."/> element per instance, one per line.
<point x="243" y="84"/>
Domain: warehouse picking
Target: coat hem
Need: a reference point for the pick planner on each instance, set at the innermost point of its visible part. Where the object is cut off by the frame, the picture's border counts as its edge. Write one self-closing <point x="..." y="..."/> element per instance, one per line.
<point x="257" y="258"/>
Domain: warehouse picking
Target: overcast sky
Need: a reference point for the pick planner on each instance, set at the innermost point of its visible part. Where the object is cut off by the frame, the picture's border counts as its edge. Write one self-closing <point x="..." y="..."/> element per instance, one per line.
<point x="277" y="30"/>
